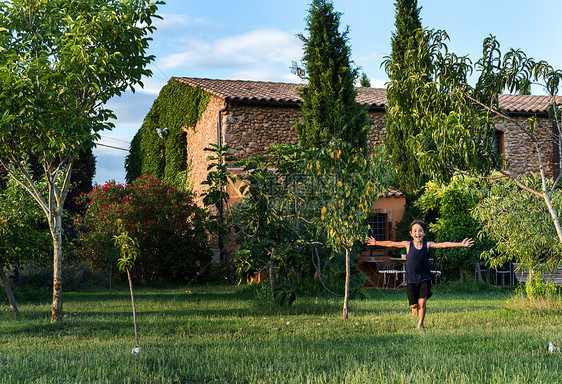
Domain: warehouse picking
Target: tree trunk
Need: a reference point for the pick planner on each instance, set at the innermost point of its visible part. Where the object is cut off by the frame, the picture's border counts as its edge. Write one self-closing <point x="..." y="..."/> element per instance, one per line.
<point x="347" y="281"/>
<point x="272" y="277"/>
<point x="8" y="290"/>
<point x="134" y="309"/>
<point x="56" y="231"/>
<point x="479" y="273"/>
<point x="461" y="271"/>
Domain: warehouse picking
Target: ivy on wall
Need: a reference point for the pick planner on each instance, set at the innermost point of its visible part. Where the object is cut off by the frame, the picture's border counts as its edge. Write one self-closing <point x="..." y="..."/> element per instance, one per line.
<point x="159" y="147"/>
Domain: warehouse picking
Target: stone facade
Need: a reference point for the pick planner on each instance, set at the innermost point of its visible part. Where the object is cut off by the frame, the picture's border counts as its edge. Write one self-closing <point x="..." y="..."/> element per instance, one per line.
<point x="521" y="152"/>
<point x="250" y="129"/>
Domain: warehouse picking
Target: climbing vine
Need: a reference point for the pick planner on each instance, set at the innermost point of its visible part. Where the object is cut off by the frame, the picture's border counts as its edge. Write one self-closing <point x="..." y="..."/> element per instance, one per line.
<point x="159" y="147"/>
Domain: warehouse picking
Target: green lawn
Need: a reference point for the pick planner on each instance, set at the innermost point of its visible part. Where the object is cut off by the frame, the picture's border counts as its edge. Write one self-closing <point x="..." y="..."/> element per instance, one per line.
<point x="220" y="335"/>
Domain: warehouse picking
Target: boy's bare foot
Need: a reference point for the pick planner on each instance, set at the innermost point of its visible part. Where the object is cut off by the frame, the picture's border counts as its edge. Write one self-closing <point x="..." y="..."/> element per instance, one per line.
<point x="415" y="311"/>
<point x="420" y="326"/>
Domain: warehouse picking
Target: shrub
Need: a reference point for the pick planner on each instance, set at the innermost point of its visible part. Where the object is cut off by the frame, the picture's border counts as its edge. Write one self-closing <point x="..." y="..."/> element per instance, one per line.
<point x="165" y="222"/>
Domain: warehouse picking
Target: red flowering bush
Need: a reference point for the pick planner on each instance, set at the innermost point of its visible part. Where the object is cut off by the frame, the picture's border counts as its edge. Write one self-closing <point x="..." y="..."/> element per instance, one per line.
<point x="165" y="222"/>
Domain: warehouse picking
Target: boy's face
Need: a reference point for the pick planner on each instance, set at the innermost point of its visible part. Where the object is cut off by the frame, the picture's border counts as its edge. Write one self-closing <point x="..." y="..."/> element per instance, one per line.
<point x="417" y="232"/>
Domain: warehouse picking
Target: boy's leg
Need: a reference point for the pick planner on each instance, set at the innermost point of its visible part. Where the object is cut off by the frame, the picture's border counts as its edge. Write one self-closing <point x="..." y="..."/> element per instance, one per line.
<point x="413" y="297"/>
<point x="425" y="293"/>
<point x="422" y="310"/>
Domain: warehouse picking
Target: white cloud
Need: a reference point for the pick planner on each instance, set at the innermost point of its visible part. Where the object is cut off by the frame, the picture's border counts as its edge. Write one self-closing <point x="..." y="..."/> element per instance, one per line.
<point x="256" y="48"/>
<point x="175" y="22"/>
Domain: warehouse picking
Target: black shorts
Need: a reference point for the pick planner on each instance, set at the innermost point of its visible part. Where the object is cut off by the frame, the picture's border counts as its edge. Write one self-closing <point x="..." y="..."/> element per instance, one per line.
<point x="419" y="291"/>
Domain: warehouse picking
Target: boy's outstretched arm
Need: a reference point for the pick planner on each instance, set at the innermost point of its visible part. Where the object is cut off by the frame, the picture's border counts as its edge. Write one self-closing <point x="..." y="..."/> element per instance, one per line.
<point x="386" y="243"/>
<point x="465" y="243"/>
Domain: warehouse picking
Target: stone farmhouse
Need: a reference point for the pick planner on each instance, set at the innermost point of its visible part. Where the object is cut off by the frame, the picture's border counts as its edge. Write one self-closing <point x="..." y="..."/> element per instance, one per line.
<point x="249" y="116"/>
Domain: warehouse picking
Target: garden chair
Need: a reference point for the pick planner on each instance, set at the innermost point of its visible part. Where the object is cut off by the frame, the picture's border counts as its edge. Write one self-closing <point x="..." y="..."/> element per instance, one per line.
<point x="506" y="269"/>
<point x="387" y="270"/>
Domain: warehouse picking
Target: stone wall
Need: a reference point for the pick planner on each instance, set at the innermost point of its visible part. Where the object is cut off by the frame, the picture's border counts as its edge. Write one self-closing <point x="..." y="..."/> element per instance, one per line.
<point x="521" y="151"/>
<point x="250" y="129"/>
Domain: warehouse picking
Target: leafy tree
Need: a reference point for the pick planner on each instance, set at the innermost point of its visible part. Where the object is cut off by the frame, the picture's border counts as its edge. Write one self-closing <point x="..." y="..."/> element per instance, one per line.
<point x="314" y="195"/>
<point x="351" y="184"/>
<point x="519" y="222"/>
<point x="165" y="222"/>
<point x="23" y="234"/>
<point x="270" y="223"/>
<point x="457" y="120"/>
<point x="454" y="203"/>
<point x="401" y="123"/>
<point x="364" y="80"/>
<point x="329" y="107"/>
<point x="61" y="61"/>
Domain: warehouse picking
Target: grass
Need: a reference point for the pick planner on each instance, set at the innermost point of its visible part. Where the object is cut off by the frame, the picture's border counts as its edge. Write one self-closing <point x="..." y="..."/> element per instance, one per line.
<point x="221" y="334"/>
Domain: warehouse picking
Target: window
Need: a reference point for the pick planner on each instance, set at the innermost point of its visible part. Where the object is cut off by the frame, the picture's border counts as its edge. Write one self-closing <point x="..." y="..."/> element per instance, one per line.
<point x="378" y="226"/>
<point x="498" y="142"/>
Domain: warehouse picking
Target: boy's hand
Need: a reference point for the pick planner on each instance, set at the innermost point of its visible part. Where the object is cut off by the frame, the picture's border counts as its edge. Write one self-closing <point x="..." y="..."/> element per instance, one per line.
<point x="467" y="242"/>
<point x="371" y="240"/>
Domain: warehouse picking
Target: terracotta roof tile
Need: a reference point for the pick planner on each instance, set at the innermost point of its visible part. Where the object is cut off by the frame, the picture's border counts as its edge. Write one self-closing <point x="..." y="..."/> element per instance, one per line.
<point x="525" y="104"/>
<point x="260" y="91"/>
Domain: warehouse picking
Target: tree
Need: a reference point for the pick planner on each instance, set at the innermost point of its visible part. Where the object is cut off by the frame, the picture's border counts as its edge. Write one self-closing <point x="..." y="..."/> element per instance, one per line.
<point x="128" y="252"/>
<point x="351" y="184"/>
<point x="329" y="107"/>
<point x="401" y="123"/>
<point x="520" y="224"/>
<point x="364" y="80"/>
<point x="458" y="120"/>
<point x="23" y="234"/>
<point x="61" y="61"/>
<point x="454" y="203"/>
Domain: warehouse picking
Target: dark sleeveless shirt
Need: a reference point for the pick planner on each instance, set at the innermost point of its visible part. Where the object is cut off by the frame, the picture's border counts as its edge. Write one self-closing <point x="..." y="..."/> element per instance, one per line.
<point x="417" y="264"/>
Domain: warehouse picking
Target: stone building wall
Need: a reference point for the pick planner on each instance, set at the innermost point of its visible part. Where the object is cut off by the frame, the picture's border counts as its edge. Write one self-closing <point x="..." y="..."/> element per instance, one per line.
<point x="521" y="151"/>
<point x="249" y="129"/>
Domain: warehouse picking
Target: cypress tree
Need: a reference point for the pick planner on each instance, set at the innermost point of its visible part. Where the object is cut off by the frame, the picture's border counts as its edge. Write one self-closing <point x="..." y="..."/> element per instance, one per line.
<point x="329" y="108"/>
<point x="400" y="123"/>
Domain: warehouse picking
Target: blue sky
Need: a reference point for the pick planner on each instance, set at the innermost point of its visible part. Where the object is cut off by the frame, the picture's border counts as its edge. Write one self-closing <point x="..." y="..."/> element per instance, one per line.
<point x="256" y="40"/>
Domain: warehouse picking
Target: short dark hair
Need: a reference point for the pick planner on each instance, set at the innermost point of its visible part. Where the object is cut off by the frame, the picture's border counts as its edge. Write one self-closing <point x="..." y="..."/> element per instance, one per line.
<point x="420" y="223"/>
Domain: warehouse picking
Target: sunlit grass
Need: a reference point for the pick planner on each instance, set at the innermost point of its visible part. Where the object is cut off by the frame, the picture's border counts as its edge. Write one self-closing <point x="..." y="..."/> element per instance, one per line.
<point x="220" y="334"/>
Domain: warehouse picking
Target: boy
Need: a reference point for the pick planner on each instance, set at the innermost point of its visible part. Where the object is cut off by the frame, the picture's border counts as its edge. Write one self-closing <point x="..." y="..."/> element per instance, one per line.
<point x="418" y="274"/>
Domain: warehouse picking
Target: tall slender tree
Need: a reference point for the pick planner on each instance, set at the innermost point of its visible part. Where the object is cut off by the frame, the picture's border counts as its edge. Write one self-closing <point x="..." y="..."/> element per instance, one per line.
<point x="329" y="107"/>
<point x="401" y="124"/>
<point x="61" y="62"/>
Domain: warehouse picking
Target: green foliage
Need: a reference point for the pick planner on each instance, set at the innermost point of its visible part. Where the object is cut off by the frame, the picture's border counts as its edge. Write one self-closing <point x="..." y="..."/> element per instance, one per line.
<point x="454" y="203"/>
<point x="296" y="199"/>
<point x="351" y="184"/>
<point x="520" y="224"/>
<point x="401" y="123"/>
<point x="159" y="147"/>
<point x="61" y="62"/>
<point x="273" y="222"/>
<point x="127" y="246"/>
<point x="166" y="223"/>
<point x="24" y="235"/>
<point x="364" y="80"/>
<point x="453" y="132"/>
<point x="537" y="287"/>
<point x="329" y="107"/>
